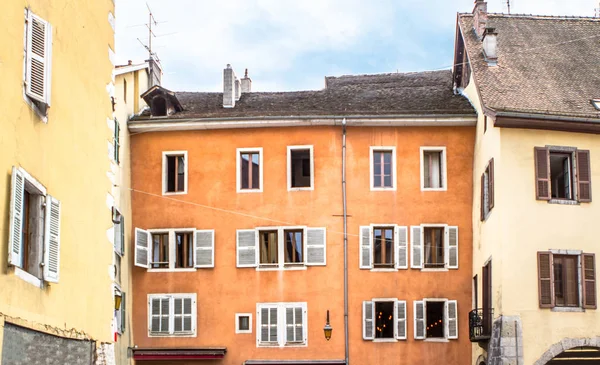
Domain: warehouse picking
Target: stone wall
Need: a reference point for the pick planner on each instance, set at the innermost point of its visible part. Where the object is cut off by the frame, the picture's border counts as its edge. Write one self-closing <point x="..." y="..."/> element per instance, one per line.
<point x="506" y="344"/>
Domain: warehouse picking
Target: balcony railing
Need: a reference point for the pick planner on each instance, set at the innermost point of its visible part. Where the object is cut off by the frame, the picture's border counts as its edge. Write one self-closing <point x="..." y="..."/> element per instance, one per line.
<point x="480" y="324"/>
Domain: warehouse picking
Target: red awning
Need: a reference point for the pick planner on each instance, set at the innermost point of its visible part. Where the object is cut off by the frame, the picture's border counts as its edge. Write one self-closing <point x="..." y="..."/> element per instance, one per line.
<point x="202" y="353"/>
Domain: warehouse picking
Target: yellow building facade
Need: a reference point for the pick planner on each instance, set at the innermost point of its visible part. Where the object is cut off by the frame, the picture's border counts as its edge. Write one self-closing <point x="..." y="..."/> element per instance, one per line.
<point x="56" y="215"/>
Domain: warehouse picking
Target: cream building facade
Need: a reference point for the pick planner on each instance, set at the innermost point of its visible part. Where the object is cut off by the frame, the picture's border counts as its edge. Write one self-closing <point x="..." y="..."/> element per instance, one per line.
<point x="536" y="155"/>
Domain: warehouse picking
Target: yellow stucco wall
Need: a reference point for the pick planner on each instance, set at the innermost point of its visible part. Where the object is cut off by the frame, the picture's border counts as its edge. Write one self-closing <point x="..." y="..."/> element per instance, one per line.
<point x="69" y="156"/>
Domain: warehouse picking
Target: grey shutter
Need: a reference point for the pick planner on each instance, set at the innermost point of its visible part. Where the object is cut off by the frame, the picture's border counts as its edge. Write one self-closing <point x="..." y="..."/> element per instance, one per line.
<point x="452" y="247"/>
<point x="165" y="314"/>
<point x="246" y="248"/>
<point x="400" y="320"/>
<point x="204" y="243"/>
<point x="52" y="240"/>
<point x="416" y="249"/>
<point x="122" y="231"/>
<point x="118" y="234"/>
<point x="452" y="319"/>
<point x="159" y="314"/>
<point x="123" y="312"/>
<point x="368" y="320"/>
<point x="316" y="246"/>
<point x="38" y="58"/>
<point x="154" y="325"/>
<point x="177" y="314"/>
<point x="401" y="247"/>
<point x="273" y="318"/>
<point x="419" y="315"/>
<point x="293" y="324"/>
<point x="15" y="230"/>
<point x="365" y="247"/>
<point x="143" y="240"/>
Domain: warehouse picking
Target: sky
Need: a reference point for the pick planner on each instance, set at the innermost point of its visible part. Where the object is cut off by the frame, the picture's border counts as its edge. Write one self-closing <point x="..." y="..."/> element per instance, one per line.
<point x="292" y="45"/>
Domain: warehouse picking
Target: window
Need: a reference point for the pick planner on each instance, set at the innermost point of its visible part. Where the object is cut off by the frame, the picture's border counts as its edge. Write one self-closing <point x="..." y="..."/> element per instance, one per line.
<point x="175" y="172"/>
<point x="119" y="317"/>
<point x="38" y="61"/>
<point x="384" y="319"/>
<point x="562" y="174"/>
<point x="119" y="232"/>
<point x="383" y="247"/>
<point x="281" y="324"/>
<point x="434" y="246"/>
<point x="116" y="142"/>
<point x="281" y="247"/>
<point x="172" y="315"/>
<point x="566" y="279"/>
<point x="435" y="319"/>
<point x="249" y="169"/>
<point x="300" y="168"/>
<point x="34" y="230"/>
<point x="174" y="249"/>
<point x="383" y="168"/>
<point x="243" y="323"/>
<point x="487" y="190"/>
<point x="433" y="168"/>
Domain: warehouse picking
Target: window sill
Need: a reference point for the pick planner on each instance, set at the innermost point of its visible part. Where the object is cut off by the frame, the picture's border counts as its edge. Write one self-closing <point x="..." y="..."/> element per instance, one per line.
<point x="383" y="189"/>
<point x="171" y="334"/>
<point x="241" y="332"/>
<point x="385" y="340"/>
<point x="568" y="309"/>
<point x="434" y="270"/>
<point x="174" y="192"/>
<point x="436" y="340"/>
<point x="310" y="188"/>
<point x="249" y="191"/>
<point x="172" y="270"/>
<point x="381" y="269"/>
<point x="563" y="201"/>
<point x="278" y="268"/>
<point x="433" y="189"/>
<point x="25" y="276"/>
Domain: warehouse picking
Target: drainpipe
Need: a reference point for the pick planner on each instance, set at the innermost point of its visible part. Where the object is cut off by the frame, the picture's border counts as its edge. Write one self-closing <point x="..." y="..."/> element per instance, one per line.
<point x="345" y="238"/>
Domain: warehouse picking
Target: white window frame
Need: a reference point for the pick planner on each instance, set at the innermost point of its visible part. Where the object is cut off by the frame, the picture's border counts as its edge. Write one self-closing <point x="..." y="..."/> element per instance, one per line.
<point x="281" y="324"/>
<point x="391" y="149"/>
<point x="394" y="320"/>
<point x="281" y="249"/>
<point x="395" y="258"/>
<point x="172" y="249"/>
<point x="238" y="179"/>
<point x="434" y="225"/>
<point x="118" y="312"/>
<point x="237" y="322"/>
<point x="172" y="297"/>
<point x="289" y="167"/>
<point x="436" y="339"/>
<point x="443" y="161"/>
<point x="166" y="154"/>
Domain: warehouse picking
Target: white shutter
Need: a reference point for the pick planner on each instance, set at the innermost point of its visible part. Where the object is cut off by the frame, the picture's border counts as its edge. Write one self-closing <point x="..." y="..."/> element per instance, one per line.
<point x="246" y="248"/>
<point x="15" y="233"/>
<point x="52" y="240"/>
<point x="452" y="319"/>
<point x="452" y="247"/>
<point x="368" y="320"/>
<point x="401" y="247"/>
<point x="316" y="246"/>
<point x="365" y="247"/>
<point x="204" y="243"/>
<point x="294" y="329"/>
<point x="143" y="240"/>
<point x="38" y="58"/>
<point x="419" y="315"/>
<point x="400" y="329"/>
<point x="416" y="249"/>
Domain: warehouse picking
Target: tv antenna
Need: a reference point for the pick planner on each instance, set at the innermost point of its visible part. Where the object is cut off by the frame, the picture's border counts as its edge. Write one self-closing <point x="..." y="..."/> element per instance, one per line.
<point x="508" y="5"/>
<point x="597" y="11"/>
<point x="151" y="21"/>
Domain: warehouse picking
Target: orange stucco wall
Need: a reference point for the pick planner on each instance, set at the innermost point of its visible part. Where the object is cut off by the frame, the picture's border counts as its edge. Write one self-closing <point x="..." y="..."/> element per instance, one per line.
<point x="226" y="290"/>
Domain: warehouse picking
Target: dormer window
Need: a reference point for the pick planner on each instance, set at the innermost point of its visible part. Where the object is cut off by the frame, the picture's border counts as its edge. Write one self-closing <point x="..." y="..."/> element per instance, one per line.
<point x="162" y="102"/>
<point x="159" y="107"/>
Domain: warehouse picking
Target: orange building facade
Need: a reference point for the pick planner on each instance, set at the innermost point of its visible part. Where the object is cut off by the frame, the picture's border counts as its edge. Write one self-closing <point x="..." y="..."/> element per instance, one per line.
<point x="239" y="226"/>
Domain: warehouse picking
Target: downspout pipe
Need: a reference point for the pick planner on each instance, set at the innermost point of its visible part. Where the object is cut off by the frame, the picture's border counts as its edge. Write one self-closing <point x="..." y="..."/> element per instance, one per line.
<point x="345" y="239"/>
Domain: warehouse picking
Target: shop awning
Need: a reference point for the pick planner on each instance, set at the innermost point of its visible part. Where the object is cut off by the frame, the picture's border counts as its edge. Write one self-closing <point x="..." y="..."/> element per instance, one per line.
<point x="199" y="353"/>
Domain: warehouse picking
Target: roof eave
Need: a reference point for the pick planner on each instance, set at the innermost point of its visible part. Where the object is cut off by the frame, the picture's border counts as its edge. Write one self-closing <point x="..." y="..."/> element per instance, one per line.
<point x="545" y="121"/>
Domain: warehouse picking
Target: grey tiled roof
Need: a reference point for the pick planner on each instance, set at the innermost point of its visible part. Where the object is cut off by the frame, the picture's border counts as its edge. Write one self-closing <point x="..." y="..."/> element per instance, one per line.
<point x="546" y="65"/>
<point x="419" y="93"/>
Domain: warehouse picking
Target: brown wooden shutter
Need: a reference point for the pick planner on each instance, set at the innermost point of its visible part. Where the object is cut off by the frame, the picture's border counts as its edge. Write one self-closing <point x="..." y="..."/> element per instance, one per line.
<point x="589" y="280"/>
<point x="584" y="176"/>
<point x="542" y="173"/>
<point x="482" y="197"/>
<point x="545" y="277"/>
<point x="491" y="184"/>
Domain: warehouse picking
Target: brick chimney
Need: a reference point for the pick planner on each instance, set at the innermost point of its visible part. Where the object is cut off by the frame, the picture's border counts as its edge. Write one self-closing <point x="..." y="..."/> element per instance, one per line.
<point x="229" y="94"/>
<point x="246" y="83"/>
<point x="490" y="46"/>
<point x="480" y="17"/>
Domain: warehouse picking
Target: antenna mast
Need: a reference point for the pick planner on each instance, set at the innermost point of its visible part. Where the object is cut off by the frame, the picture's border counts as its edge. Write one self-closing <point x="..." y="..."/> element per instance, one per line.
<point x="151" y="21"/>
<point x="597" y="11"/>
<point x="508" y="5"/>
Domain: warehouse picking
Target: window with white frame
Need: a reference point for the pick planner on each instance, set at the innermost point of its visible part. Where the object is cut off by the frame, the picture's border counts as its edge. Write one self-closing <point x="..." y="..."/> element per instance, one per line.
<point x="249" y="166"/>
<point x="172" y="315"/>
<point x="434" y="246"/>
<point x="383" y="168"/>
<point x="34" y="228"/>
<point x="119" y="317"/>
<point x="300" y="168"/>
<point x="433" y="168"/>
<point x="175" y="167"/>
<point x="281" y="324"/>
<point x="174" y="249"/>
<point x="384" y="319"/>
<point x="383" y="246"/>
<point x="435" y="319"/>
<point x="281" y="247"/>
<point x="38" y="62"/>
<point x="243" y="323"/>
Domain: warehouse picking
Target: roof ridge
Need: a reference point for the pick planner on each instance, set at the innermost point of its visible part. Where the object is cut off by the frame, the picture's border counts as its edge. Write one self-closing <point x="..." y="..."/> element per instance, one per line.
<point x="388" y="74"/>
<point x="539" y="16"/>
